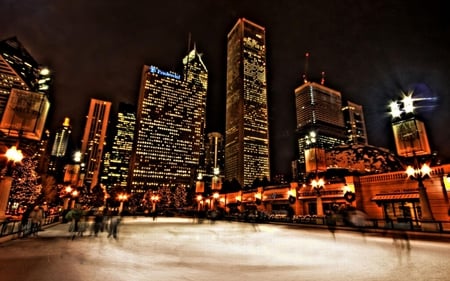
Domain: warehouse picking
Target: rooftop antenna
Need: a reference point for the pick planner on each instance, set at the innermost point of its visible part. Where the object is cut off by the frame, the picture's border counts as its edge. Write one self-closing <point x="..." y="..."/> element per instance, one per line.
<point x="186" y="67"/>
<point x="305" y="74"/>
<point x="322" y="81"/>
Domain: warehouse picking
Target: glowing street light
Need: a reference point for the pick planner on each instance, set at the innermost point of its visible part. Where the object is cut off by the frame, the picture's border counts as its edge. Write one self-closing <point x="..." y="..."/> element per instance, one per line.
<point x="419" y="174"/>
<point x="199" y="200"/>
<point x="13" y="155"/>
<point x="318" y="185"/>
<point x="122" y="197"/>
<point x="155" y="199"/>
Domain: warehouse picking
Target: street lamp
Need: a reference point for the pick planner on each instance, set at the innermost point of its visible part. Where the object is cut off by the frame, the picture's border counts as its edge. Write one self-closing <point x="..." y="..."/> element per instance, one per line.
<point x="318" y="185"/>
<point x="70" y="194"/>
<point x="419" y="174"/>
<point x="199" y="200"/>
<point x="74" y="194"/>
<point x="122" y="197"/>
<point x="213" y="202"/>
<point x="155" y="199"/>
<point x="410" y="137"/>
<point x="13" y="156"/>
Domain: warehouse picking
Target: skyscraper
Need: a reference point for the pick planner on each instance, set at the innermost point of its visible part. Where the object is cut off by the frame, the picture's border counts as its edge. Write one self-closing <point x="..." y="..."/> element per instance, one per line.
<point x="58" y="154"/>
<point x="29" y="84"/>
<point x="93" y="141"/>
<point x="120" y="154"/>
<point x="169" y="126"/>
<point x="320" y="122"/>
<point x="246" y="126"/>
<point x="61" y="141"/>
<point x="214" y="154"/>
<point x="355" y="124"/>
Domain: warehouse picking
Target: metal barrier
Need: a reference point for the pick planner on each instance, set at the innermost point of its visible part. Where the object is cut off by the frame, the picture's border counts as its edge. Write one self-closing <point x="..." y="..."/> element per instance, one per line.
<point x="410" y="225"/>
<point x="16" y="227"/>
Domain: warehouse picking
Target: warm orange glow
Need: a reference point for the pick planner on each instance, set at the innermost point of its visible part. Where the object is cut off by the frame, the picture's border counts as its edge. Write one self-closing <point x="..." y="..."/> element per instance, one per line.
<point x="122" y="197"/>
<point x="199" y="198"/>
<point x="216" y="195"/>
<point x="410" y="171"/>
<point x="426" y="170"/>
<point x="423" y="171"/>
<point x="317" y="183"/>
<point x="14" y="155"/>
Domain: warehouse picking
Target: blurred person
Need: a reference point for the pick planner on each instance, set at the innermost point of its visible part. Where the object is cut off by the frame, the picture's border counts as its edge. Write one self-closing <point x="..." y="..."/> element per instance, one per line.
<point x="402" y="244"/>
<point x="74" y="216"/>
<point x="36" y="217"/>
<point x="98" y="222"/>
<point x="114" y="222"/>
<point x="25" y="222"/>
<point x="330" y="219"/>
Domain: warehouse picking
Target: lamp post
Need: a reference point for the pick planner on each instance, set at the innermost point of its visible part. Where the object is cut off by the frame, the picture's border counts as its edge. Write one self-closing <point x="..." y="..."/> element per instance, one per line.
<point x="122" y="197"/>
<point x="419" y="174"/>
<point x="67" y="196"/>
<point x="155" y="199"/>
<point x="199" y="202"/>
<point x="13" y="156"/>
<point x="410" y="137"/>
<point x="318" y="185"/>
<point x="74" y="194"/>
<point x="214" y="200"/>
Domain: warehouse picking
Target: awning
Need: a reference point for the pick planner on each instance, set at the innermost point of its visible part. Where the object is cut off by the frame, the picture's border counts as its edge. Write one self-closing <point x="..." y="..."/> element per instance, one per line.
<point x="396" y="197"/>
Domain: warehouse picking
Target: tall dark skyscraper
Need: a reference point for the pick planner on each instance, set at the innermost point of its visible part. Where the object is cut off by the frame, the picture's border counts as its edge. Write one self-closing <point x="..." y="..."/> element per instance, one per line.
<point x="120" y="154"/>
<point x="93" y="143"/>
<point x="355" y="123"/>
<point x="22" y="77"/>
<point x="320" y="122"/>
<point x="170" y="126"/>
<point x="61" y="141"/>
<point x="246" y="127"/>
<point x="58" y="153"/>
<point x="18" y="69"/>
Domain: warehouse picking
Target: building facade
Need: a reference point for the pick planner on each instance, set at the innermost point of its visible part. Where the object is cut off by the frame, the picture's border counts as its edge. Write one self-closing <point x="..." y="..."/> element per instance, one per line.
<point x="355" y="124"/>
<point x="59" y="148"/>
<point x="170" y="126"/>
<point x="320" y="122"/>
<point x="246" y="126"/>
<point x="29" y="83"/>
<point x="119" y="157"/>
<point x="58" y="152"/>
<point x="93" y="142"/>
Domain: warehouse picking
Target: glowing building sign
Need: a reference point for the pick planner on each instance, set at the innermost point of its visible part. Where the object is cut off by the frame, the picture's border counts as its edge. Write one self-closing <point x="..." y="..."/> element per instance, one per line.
<point x="154" y="69"/>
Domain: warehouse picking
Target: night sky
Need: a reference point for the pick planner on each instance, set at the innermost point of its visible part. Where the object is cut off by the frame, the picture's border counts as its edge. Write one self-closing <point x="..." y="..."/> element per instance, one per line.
<point x="370" y="51"/>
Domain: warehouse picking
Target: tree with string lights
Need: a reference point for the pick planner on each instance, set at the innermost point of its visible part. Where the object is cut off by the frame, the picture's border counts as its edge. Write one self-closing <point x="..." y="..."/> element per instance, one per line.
<point x="25" y="188"/>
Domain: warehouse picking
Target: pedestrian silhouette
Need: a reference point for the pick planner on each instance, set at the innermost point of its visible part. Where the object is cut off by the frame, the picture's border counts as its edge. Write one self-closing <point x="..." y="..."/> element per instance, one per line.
<point x="74" y="216"/>
<point x="114" y="225"/>
<point x="330" y="219"/>
<point x="402" y="245"/>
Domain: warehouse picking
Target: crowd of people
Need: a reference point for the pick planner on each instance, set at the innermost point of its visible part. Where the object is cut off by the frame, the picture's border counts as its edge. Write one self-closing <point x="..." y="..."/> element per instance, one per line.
<point x="32" y="221"/>
<point x="94" y="221"/>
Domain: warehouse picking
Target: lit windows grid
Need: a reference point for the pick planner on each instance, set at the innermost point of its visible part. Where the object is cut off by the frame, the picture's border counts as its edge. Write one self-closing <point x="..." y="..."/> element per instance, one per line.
<point x="169" y="134"/>
<point x="246" y="148"/>
<point x="122" y="146"/>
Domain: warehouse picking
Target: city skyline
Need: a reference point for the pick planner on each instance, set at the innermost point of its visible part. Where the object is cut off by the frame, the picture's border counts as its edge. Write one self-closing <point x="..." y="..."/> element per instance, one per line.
<point x="371" y="52"/>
